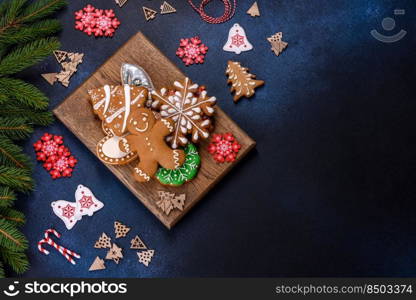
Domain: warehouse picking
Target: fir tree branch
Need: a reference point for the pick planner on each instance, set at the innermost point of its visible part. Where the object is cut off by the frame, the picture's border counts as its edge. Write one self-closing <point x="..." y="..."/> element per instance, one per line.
<point x="10" y="237"/>
<point x="27" y="55"/>
<point x="18" y="179"/>
<point x="11" y="11"/>
<point x="7" y="196"/>
<point x="14" y="128"/>
<point x="23" y="92"/>
<point x="27" y="33"/>
<point x="2" y="275"/>
<point x="31" y="116"/>
<point x="13" y="216"/>
<point x="11" y="155"/>
<point x="41" y="9"/>
<point x="16" y="259"/>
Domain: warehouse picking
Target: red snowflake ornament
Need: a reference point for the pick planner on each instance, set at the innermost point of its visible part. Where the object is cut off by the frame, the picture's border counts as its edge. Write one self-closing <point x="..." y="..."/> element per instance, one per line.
<point x="56" y="157"/>
<point x="192" y="51"/>
<point x="224" y="147"/>
<point x="96" y="21"/>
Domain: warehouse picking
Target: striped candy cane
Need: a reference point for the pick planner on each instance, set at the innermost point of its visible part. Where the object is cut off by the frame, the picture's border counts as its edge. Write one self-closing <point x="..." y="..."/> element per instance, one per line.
<point x="65" y="252"/>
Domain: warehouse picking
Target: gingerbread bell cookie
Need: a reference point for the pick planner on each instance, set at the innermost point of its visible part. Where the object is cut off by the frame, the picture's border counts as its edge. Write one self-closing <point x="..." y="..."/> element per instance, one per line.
<point x="190" y="109"/>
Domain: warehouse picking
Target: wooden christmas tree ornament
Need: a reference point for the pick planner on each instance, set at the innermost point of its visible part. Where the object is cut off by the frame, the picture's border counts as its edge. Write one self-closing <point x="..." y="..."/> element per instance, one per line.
<point x="60" y="55"/>
<point x="115" y="253"/>
<point x="120" y="229"/>
<point x="121" y="2"/>
<point x="98" y="264"/>
<point x="149" y="14"/>
<point x="50" y="77"/>
<point x="243" y="84"/>
<point x="137" y="243"/>
<point x="168" y="201"/>
<point x="254" y="10"/>
<point x="277" y="44"/>
<point x="103" y="242"/>
<point x="166" y="8"/>
<point x="145" y="257"/>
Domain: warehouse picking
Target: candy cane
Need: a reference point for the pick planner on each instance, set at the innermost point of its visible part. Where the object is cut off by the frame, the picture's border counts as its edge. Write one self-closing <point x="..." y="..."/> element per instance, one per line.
<point x="64" y="251"/>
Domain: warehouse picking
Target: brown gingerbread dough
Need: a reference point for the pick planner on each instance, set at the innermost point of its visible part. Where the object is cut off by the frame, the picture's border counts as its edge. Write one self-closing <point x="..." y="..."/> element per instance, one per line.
<point x="147" y="138"/>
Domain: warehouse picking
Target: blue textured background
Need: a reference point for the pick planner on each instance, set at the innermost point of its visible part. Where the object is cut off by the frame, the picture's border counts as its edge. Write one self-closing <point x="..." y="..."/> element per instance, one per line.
<point x="330" y="188"/>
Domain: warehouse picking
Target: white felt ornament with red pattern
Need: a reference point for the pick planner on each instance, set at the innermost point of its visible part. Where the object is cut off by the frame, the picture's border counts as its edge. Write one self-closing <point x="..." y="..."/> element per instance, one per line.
<point x="71" y="212"/>
<point x="237" y="40"/>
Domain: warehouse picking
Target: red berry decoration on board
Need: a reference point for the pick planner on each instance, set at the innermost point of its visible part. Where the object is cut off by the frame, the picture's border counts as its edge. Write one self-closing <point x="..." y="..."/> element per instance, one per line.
<point x="192" y="51"/>
<point x="56" y="157"/>
<point x="96" y="21"/>
<point x="224" y="147"/>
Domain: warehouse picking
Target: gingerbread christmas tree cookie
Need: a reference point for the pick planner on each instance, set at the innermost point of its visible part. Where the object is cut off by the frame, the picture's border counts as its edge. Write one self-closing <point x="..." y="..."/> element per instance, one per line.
<point x="243" y="83"/>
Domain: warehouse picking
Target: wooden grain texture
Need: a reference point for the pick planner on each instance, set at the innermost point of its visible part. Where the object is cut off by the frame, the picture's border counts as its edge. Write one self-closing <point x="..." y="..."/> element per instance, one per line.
<point x="77" y="114"/>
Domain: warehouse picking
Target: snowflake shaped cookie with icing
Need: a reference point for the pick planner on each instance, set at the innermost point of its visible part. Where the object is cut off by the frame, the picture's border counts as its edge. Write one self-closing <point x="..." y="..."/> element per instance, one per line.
<point x="189" y="108"/>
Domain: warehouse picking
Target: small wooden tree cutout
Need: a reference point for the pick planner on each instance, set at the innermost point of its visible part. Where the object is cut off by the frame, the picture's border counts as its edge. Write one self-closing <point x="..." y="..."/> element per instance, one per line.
<point x="98" y="264"/>
<point x="103" y="242"/>
<point x="254" y="10"/>
<point x="242" y="82"/>
<point x="166" y="8"/>
<point x="179" y="201"/>
<point x="121" y="2"/>
<point x="50" y="77"/>
<point x="120" y="229"/>
<point x="277" y="44"/>
<point x="168" y="201"/>
<point x="149" y="14"/>
<point x="60" y="55"/>
<point x="115" y="253"/>
<point x="145" y="257"/>
<point x="137" y="243"/>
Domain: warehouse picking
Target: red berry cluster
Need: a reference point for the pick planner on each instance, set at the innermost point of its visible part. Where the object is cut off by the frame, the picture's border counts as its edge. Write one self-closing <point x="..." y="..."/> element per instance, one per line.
<point x="192" y="51"/>
<point x="56" y="157"/>
<point x="224" y="147"/>
<point x="96" y="21"/>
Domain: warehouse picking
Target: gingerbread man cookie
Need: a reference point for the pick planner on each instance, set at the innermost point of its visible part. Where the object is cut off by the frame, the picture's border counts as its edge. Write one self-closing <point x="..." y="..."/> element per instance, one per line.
<point x="147" y="139"/>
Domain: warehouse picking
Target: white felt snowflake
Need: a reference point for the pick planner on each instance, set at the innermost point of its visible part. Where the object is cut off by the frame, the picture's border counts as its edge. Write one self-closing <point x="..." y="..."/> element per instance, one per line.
<point x="188" y="108"/>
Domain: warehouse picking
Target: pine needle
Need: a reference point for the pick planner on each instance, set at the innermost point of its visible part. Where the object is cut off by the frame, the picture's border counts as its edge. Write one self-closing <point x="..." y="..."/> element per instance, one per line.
<point x="30" y="116"/>
<point x="18" y="179"/>
<point x="11" y="155"/>
<point x="16" y="259"/>
<point x="14" y="128"/>
<point x="13" y="216"/>
<point x="10" y="237"/>
<point x="27" y="55"/>
<point x="7" y="196"/>
<point x="23" y="92"/>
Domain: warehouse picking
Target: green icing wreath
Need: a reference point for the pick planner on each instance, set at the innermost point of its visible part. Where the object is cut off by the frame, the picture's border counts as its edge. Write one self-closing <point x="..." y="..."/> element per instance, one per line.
<point x="185" y="173"/>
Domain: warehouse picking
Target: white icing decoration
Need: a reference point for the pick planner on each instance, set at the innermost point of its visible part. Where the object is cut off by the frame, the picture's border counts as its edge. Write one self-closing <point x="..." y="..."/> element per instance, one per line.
<point x="111" y="148"/>
<point x="127" y="99"/>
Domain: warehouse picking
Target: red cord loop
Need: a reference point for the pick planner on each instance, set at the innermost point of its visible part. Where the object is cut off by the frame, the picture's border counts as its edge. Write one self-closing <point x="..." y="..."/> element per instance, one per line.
<point x="229" y="11"/>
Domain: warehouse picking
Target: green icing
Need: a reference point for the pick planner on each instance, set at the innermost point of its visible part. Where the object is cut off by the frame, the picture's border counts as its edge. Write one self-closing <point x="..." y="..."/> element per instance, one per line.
<point x="185" y="173"/>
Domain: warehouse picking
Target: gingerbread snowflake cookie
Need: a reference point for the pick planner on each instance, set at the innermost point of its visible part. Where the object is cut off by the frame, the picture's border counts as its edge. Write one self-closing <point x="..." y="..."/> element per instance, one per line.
<point x="190" y="110"/>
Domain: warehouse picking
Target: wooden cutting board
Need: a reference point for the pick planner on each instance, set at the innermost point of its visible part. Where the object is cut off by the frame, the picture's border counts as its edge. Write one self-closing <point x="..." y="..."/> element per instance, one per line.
<point x="77" y="114"/>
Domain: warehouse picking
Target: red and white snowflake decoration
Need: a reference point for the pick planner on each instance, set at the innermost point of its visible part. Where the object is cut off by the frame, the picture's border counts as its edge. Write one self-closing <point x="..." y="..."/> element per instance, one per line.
<point x="86" y="201"/>
<point x="96" y="21"/>
<point x="56" y="157"/>
<point x="192" y="51"/>
<point x="68" y="211"/>
<point x="224" y="147"/>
